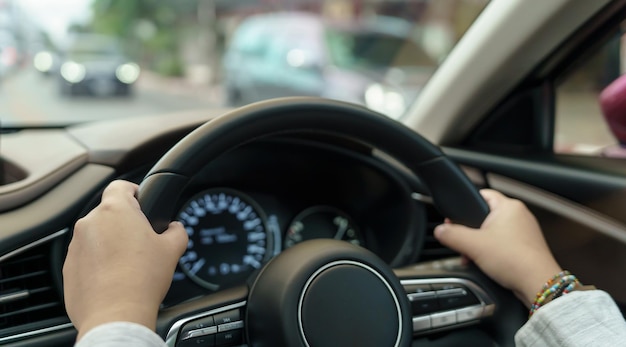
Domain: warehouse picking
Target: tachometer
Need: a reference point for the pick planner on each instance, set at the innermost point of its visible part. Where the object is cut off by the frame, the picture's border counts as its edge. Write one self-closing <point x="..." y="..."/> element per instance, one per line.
<point x="228" y="238"/>
<point x="322" y="222"/>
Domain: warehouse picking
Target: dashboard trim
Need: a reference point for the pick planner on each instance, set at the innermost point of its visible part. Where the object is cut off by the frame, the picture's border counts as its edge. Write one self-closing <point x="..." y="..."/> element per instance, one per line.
<point x="36" y="332"/>
<point x="33" y="244"/>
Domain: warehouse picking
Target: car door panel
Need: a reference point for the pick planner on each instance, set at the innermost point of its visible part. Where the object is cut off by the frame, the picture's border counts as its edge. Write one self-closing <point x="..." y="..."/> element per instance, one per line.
<point x="580" y="211"/>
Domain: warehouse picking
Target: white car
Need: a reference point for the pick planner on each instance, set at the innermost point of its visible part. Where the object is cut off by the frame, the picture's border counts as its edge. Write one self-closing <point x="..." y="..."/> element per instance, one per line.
<point x="265" y="188"/>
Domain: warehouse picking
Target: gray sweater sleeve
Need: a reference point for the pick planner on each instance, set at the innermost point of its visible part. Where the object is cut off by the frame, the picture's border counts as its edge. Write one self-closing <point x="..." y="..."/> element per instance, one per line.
<point x="580" y="318"/>
<point x="117" y="334"/>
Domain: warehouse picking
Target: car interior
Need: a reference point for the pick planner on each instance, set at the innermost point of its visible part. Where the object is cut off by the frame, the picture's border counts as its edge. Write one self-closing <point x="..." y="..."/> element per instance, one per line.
<point x="251" y="184"/>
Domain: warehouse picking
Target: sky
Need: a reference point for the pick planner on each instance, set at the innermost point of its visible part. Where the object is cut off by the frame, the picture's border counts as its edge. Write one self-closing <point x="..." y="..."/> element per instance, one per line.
<point x="55" y="16"/>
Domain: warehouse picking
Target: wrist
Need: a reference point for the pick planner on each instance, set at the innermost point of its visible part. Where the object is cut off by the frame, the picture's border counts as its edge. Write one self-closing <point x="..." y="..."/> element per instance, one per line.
<point x="534" y="283"/>
<point x="560" y="284"/>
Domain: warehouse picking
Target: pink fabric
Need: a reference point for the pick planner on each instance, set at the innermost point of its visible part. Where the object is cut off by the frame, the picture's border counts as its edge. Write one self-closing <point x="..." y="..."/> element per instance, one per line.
<point x="613" y="105"/>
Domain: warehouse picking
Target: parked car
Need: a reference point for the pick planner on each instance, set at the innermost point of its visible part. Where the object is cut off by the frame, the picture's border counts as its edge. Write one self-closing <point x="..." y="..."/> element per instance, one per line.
<point x="375" y="62"/>
<point x="47" y="62"/>
<point x="95" y="65"/>
<point x="257" y="186"/>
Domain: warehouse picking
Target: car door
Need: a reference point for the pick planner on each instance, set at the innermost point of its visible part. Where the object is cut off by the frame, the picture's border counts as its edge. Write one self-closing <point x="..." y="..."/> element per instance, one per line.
<point x="548" y="143"/>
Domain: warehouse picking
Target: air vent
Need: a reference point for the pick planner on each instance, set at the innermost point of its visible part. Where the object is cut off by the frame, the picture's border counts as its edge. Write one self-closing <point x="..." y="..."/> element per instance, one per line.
<point x="433" y="250"/>
<point x="28" y="297"/>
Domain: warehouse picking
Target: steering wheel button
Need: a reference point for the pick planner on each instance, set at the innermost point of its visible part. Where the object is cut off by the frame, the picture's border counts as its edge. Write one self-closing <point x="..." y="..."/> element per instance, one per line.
<point x="199" y="333"/>
<point x="469" y="314"/>
<point x="421" y="296"/>
<point x="205" y="341"/>
<point x="230" y="326"/>
<point x="230" y="338"/>
<point x="452" y="292"/>
<point x="456" y="298"/>
<point x="424" y="305"/>
<point x="227" y="317"/>
<point x="442" y="319"/>
<point x="417" y="288"/>
<point x="197" y="324"/>
<point x="421" y="323"/>
<point x="444" y="286"/>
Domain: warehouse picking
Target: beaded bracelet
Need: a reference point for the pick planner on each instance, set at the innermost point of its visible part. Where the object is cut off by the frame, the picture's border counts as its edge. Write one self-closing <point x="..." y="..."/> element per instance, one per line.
<point x="566" y="283"/>
<point x="554" y="278"/>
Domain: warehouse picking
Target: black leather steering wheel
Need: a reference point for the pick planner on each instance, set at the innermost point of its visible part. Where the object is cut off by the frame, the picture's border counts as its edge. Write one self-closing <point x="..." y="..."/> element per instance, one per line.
<point x="294" y="300"/>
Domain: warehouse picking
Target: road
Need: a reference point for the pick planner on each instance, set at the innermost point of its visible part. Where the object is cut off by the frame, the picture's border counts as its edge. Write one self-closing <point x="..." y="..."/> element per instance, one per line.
<point x="27" y="97"/>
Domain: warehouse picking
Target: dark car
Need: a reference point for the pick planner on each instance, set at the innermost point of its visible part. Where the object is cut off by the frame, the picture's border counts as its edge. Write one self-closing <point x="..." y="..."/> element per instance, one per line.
<point x="95" y="65"/>
<point x="375" y="62"/>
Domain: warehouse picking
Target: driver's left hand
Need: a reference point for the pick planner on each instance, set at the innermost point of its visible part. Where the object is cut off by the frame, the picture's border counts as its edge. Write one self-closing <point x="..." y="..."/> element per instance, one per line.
<point x="117" y="268"/>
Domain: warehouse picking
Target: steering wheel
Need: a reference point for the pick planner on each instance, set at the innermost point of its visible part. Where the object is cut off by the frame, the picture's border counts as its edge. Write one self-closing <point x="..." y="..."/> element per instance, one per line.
<point x="329" y="292"/>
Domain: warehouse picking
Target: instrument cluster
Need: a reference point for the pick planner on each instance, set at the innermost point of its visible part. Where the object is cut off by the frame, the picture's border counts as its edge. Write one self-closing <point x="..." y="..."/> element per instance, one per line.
<point x="241" y="212"/>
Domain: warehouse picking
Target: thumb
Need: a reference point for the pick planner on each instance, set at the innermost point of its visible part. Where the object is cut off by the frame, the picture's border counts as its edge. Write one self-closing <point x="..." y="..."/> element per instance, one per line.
<point x="460" y="238"/>
<point x="176" y="237"/>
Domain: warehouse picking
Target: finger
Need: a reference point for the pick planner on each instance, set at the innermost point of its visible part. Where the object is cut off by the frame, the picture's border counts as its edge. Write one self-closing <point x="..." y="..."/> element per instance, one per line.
<point x="120" y="189"/>
<point x="460" y="238"/>
<point x="177" y="238"/>
<point x="492" y="197"/>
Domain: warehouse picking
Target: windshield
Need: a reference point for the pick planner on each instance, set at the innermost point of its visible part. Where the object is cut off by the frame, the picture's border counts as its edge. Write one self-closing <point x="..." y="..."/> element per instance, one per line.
<point x="373" y="50"/>
<point x="64" y="62"/>
<point x="94" y="45"/>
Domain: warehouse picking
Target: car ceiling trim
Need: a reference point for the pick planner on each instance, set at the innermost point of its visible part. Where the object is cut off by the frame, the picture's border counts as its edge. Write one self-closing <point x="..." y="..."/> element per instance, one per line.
<point x="33" y="244"/>
<point x="35" y="333"/>
<point x="561" y="206"/>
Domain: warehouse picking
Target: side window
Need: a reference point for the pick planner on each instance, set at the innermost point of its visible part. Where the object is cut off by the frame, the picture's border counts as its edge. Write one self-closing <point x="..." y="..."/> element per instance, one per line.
<point x="591" y="103"/>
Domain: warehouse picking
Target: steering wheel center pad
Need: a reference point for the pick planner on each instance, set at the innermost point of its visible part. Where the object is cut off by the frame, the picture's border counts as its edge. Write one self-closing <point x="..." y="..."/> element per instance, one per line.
<point x="320" y="292"/>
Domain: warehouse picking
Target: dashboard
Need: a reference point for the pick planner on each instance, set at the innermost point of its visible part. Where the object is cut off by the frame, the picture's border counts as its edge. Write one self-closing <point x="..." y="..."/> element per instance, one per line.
<point x="242" y="211"/>
<point x="262" y="198"/>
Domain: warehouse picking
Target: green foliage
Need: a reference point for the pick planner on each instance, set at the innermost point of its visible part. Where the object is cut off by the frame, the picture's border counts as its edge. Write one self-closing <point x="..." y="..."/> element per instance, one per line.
<point x="169" y="65"/>
<point x="160" y="51"/>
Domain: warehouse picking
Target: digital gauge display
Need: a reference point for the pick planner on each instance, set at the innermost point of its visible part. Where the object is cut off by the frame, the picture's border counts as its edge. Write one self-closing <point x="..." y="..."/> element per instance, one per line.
<point x="228" y="238"/>
<point x="322" y="222"/>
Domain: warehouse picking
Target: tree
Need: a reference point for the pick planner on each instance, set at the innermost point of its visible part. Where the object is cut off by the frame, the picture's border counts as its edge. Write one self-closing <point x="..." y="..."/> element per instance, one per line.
<point x="160" y="51"/>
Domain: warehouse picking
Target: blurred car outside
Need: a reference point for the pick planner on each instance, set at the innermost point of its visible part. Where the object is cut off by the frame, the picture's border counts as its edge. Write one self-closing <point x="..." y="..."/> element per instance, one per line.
<point x="47" y="62"/>
<point x="94" y="64"/>
<point x="376" y="62"/>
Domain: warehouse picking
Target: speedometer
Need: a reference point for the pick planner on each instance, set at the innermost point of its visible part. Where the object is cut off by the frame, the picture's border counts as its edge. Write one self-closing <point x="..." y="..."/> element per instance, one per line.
<point x="228" y="238"/>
